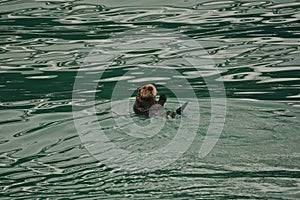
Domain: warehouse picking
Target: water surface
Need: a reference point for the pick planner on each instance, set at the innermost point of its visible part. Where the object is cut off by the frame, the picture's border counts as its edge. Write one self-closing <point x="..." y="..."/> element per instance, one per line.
<point x="254" y="45"/>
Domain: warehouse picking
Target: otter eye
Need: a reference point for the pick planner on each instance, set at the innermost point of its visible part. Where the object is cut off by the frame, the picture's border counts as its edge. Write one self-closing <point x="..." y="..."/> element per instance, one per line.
<point x="150" y="88"/>
<point x="144" y="88"/>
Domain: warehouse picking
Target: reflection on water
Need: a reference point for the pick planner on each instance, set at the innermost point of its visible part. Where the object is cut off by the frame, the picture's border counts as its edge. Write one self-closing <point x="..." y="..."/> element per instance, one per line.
<point x="254" y="45"/>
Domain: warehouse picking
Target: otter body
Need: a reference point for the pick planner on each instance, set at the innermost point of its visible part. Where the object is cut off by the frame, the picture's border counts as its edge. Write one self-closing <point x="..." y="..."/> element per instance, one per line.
<point x="146" y="103"/>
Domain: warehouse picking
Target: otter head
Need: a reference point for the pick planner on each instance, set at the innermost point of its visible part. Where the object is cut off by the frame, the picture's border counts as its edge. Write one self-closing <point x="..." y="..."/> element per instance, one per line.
<point x="147" y="91"/>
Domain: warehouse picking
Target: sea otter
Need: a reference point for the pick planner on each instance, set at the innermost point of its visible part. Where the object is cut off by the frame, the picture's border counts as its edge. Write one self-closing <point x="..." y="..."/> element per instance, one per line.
<point x="146" y="103"/>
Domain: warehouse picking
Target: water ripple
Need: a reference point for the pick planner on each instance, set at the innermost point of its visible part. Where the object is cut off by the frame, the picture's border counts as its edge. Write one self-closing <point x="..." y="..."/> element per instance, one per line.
<point x="254" y="45"/>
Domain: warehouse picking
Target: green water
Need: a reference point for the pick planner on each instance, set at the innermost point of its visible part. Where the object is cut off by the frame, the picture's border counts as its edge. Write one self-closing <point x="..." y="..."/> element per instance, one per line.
<point x="46" y="46"/>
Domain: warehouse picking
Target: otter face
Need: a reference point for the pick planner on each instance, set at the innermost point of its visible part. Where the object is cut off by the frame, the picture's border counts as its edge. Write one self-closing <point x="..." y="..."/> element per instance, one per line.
<point x="147" y="91"/>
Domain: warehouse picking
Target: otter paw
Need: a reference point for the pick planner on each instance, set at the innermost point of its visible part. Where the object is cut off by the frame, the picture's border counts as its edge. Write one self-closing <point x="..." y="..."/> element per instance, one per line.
<point x="162" y="99"/>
